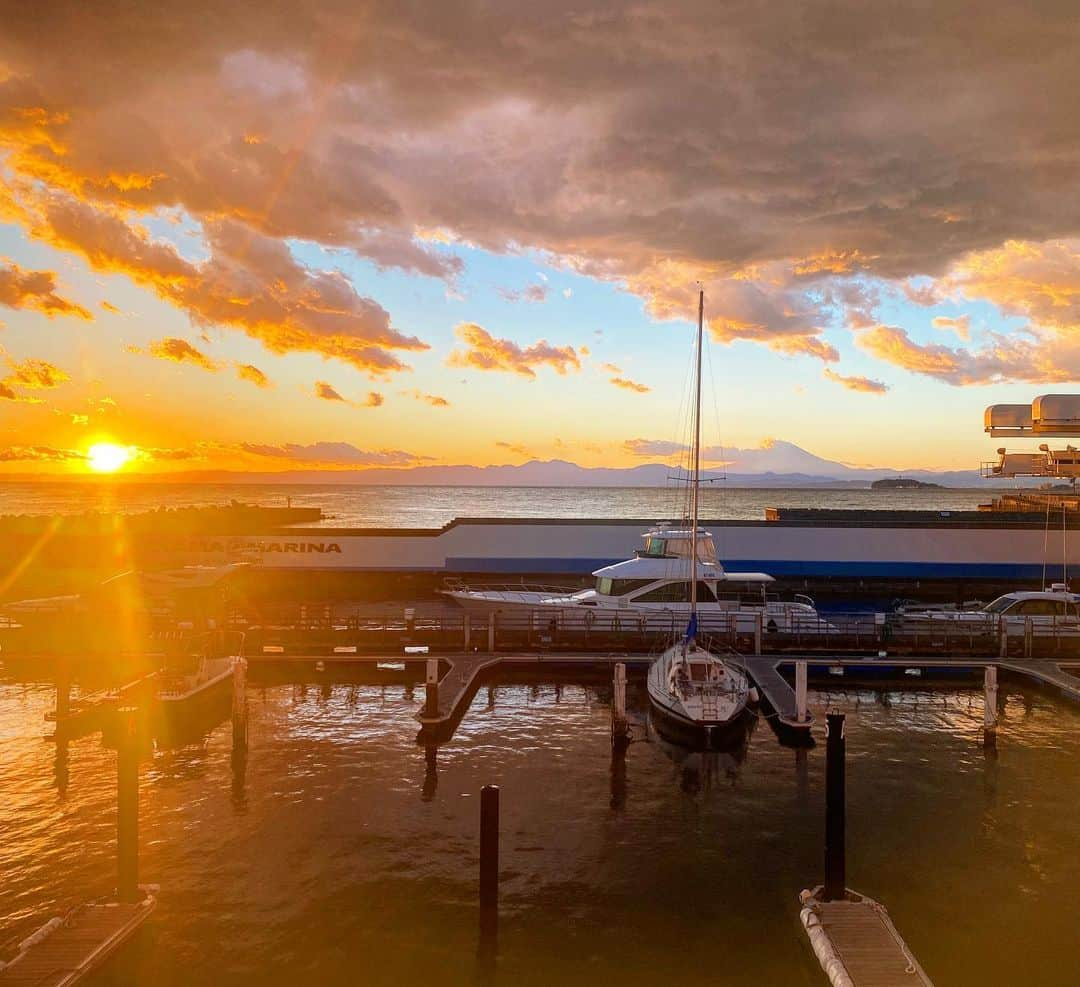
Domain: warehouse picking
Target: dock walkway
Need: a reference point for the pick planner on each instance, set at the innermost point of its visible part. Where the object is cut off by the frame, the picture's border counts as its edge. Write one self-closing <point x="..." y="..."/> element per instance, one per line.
<point x="65" y="950"/>
<point x="857" y="944"/>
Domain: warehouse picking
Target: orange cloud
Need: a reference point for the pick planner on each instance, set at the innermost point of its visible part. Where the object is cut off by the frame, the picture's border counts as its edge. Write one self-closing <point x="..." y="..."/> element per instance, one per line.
<point x="35" y="374"/>
<point x="864" y="384"/>
<point x="251" y="282"/>
<point x="517" y="450"/>
<point x="629" y="385"/>
<point x="20" y="288"/>
<point x="961" y="324"/>
<point x="178" y="351"/>
<point x="327" y="391"/>
<point x="374" y="400"/>
<point x="331" y="454"/>
<point x="14" y="454"/>
<point x="251" y="373"/>
<point x="435" y="400"/>
<point x="485" y="352"/>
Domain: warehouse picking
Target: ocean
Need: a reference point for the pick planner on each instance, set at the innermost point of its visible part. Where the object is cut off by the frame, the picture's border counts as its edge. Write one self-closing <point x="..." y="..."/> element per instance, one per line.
<point x="432" y="507"/>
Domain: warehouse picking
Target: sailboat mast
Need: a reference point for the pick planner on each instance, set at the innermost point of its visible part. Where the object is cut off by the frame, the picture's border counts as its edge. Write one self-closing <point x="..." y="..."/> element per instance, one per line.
<point x="696" y="476"/>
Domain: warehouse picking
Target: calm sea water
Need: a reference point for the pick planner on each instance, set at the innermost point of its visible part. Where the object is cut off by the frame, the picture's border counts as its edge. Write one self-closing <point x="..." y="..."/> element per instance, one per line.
<point x="429" y="507"/>
<point x="338" y="856"/>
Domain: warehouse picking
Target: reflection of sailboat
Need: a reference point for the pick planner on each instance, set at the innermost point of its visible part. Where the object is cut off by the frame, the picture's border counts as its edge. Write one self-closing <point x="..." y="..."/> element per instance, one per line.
<point x="700" y="769"/>
<point x="694" y="693"/>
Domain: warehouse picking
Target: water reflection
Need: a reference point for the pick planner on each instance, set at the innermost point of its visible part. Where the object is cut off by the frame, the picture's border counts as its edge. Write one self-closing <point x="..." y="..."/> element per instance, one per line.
<point x="321" y="860"/>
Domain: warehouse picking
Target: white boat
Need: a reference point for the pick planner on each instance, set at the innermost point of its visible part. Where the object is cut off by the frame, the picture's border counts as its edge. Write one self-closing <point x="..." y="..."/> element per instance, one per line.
<point x="651" y="591"/>
<point x="694" y="693"/>
<point x="209" y="679"/>
<point x="1055" y="610"/>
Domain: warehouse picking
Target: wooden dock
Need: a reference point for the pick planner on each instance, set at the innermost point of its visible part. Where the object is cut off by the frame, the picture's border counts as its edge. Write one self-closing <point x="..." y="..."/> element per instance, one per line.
<point x="65" y="950"/>
<point x="857" y="944"/>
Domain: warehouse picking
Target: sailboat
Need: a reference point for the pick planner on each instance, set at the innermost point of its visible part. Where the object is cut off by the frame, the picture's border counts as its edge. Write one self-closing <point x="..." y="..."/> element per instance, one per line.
<point x="694" y="693"/>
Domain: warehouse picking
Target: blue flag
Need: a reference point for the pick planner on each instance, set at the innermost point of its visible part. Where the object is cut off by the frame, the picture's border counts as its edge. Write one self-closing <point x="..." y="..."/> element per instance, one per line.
<point x="691" y="630"/>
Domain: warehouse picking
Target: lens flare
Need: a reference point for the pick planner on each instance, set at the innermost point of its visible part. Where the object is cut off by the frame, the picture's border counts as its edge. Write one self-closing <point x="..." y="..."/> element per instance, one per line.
<point x="107" y="457"/>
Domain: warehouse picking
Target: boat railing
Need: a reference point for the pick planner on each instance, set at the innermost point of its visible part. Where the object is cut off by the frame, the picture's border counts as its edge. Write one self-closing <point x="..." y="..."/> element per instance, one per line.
<point x="551" y="589"/>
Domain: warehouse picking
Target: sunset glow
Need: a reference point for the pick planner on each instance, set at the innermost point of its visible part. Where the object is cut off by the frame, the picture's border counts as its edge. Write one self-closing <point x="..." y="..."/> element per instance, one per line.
<point x="107" y="457"/>
<point x="231" y="256"/>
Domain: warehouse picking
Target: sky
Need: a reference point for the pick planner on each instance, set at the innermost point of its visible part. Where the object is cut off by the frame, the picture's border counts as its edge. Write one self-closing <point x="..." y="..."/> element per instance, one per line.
<point x="336" y="235"/>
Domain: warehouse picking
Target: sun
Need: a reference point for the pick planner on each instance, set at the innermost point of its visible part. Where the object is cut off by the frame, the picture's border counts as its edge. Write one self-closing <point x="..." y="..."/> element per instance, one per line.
<point x="107" y="457"/>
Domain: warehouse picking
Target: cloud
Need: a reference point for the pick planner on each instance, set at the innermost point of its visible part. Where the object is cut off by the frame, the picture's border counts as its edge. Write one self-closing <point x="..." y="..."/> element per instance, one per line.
<point x="35" y="374"/>
<point x="6" y="393"/>
<point x="14" y="454"/>
<point x="863" y="384"/>
<point x="178" y="351"/>
<point x="653" y="447"/>
<point x="36" y="290"/>
<point x="1000" y="359"/>
<point x="327" y="392"/>
<point x="435" y="400"/>
<point x="484" y="352"/>
<point x="834" y="155"/>
<point x="630" y="385"/>
<point x="332" y="454"/>
<point x="110" y="307"/>
<point x="250" y="282"/>
<point x="961" y="324"/>
<point x="77" y="419"/>
<point x="531" y="293"/>
<point x="374" y="400"/>
<point x="252" y="374"/>
<point x="517" y="450"/>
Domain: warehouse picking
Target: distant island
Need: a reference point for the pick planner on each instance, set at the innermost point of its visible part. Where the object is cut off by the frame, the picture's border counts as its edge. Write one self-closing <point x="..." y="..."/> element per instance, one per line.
<point x="904" y="483"/>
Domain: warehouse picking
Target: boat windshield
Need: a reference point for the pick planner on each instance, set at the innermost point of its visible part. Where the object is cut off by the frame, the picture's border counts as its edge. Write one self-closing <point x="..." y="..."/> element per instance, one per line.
<point x="1000" y="605"/>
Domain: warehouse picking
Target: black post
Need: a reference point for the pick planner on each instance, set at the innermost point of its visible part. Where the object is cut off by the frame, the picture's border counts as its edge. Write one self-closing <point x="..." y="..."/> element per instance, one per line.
<point x="835" y="878"/>
<point x="127" y="806"/>
<point x="489" y="848"/>
<point x="63" y="690"/>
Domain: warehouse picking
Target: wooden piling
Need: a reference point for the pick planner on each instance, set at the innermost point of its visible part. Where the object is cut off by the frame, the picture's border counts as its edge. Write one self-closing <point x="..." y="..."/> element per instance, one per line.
<point x="800" y="691"/>
<point x="1003" y="638"/>
<point x="239" y="705"/>
<point x="466" y="626"/>
<point x="491" y="632"/>
<point x="127" y="806"/>
<point x="1029" y="637"/>
<point x="431" y="688"/>
<point x="489" y="848"/>
<point x="63" y="689"/>
<point x="618" y="707"/>
<point x="835" y="755"/>
<point x="758" y="620"/>
<point x="990" y="716"/>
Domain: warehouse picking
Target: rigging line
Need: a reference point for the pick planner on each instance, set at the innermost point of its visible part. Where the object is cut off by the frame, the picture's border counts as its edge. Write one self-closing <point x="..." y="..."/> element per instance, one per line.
<point x="1064" y="557"/>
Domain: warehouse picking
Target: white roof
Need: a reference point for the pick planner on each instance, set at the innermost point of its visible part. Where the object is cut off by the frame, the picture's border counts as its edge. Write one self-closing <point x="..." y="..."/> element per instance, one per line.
<point x="644" y="567"/>
<point x="1041" y="595"/>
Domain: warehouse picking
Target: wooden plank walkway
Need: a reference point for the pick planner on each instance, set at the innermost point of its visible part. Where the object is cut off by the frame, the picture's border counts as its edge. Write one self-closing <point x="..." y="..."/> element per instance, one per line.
<point x="777" y="692"/>
<point x="456" y="688"/>
<point x="857" y="944"/>
<point x="65" y="950"/>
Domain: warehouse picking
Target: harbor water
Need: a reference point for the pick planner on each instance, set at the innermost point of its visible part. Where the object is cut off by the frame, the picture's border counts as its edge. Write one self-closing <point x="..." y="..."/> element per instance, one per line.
<point x="340" y="852"/>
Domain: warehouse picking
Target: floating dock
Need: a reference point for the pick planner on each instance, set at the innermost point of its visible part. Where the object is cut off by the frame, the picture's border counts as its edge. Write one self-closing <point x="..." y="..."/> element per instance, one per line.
<point x="65" y="950"/>
<point x="857" y="944"/>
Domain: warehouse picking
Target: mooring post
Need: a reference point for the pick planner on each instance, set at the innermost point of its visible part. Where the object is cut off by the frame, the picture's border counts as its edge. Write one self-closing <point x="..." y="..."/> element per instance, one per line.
<point x="63" y="689"/>
<point x="491" y="632"/>
<point x="489" y="848"/>
<point x="127" y="805"/>
<point x="466" y="626"/>
<point x="618" y="707"/>
<point x="758" y="620"/>
<point x="800" y="691"/>
<point x="990" y="716"/>
<point x="239" y="704"/>
<point x="1003" y="638"/>
<point x="1028" y="637"/>
<point x="835" y="878"/>
<point x="410" y="621"/>
<point x="431" y="688"/>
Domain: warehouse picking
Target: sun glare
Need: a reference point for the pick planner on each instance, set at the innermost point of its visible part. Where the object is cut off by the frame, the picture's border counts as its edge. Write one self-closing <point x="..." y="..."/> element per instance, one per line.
<point x="107" y="457"/>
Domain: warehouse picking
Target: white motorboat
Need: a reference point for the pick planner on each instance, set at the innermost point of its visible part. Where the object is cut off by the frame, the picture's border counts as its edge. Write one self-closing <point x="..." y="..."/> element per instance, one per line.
<point x="208" y="680"/>
<point x="651" y="591"/>
<point x="1055" y="610"/>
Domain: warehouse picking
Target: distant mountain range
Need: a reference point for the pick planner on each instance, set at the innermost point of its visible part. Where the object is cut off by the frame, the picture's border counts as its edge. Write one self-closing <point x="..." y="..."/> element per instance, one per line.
<point x="775" y="464"/>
